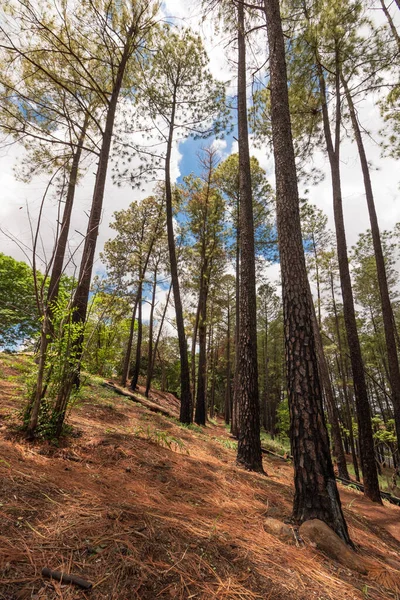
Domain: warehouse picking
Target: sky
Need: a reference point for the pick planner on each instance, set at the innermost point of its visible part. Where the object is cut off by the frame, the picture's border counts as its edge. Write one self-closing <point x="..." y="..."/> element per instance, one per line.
<point x="20" y="202"/>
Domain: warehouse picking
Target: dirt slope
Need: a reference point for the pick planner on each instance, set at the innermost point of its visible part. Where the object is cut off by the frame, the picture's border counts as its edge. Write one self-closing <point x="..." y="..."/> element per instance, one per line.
<point x="144" y="508"/>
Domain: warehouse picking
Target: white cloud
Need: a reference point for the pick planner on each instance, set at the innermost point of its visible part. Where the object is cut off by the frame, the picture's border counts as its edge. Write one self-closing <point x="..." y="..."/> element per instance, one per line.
<point x="385" y="178"/>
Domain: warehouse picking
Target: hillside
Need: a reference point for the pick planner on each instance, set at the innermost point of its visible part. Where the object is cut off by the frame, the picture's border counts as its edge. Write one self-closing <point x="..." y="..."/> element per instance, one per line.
<point x="143" y="507"/>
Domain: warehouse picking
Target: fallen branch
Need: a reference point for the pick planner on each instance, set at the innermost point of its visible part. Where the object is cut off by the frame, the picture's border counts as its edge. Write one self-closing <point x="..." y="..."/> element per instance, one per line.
<point x="65" y="578"/>
<point x="136" y="398"/>
<point x="360" y="487"/>
<point x="349" y="483"/>
<point x="286" y="457"/>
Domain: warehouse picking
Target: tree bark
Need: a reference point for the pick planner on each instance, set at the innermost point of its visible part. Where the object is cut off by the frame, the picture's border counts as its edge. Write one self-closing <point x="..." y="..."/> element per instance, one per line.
<point x="337" y="442"/>
<point x="249" y="444"/>
<point x="185" y="415"/>
<point x="316" y="494"/>
<point x="228" y="400"/>
<point x="387" y="312"/>
<point x="343" y="377"/>
<point x="235" y="407"/>
<point x="368" y="464"/>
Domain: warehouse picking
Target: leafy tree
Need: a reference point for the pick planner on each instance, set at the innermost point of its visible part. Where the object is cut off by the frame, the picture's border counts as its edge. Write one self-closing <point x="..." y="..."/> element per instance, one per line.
<point x="227" y="178"/>
<point x="140" y="228"/>
<point x="118" y="34"/>
<point x="204" y="208"/>
<point x="180" y="96"/>
<point x="19" y="314"/>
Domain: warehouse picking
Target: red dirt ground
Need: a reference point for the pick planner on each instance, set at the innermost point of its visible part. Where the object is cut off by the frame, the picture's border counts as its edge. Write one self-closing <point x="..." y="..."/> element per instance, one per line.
<point x="144" y="508"/>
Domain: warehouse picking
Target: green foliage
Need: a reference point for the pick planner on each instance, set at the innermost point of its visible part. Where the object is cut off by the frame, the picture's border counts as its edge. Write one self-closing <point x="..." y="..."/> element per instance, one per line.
<point x="179" y="95"/>
<point x="19" y="315"/>
<point x="62" y="360"/>
<point x="229" y="444"/>
<point x="279" y="446"/>
<point x="384" y="433"/>
<point x="106" y="334"/>
<point x="161" y="438"/>
<point x="283" y="418"/>
<point x="227" y="180"/>
<point x="190" y="426"/>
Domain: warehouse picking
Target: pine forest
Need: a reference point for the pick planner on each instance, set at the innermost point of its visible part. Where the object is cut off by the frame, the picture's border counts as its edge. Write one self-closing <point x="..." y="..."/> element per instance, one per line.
<point x="200" y="299"/>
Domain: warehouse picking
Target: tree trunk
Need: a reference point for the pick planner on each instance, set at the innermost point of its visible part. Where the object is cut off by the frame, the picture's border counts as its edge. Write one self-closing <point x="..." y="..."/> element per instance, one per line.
<point x="316" y="494"/>
<point x="193" y="351"/>
<point x="342" y="375"/>
<point x="391" y="22"/>
<point x="214" y="355"/>
<point x="249" y="444"/>
<point x="235" y="407"/>
<point x="200" y="414"/>
<point x="266" y="399"/>
<point x="185" y="415"/>
<point x="338" y="449"/>
<point x="59" y="253"/>
<point x="150" y="373"/>
<point x="368" y="464"/>
<point x="387" y="312"/>
<point x="151" y="327"/>
<point x="81" y="296"/>
<point x="141" y="275"/>
<point x="56" y="272"/>
<point x="136" y="370"/>
<point x="228" y="408"/>
<point x="127" y="359"/>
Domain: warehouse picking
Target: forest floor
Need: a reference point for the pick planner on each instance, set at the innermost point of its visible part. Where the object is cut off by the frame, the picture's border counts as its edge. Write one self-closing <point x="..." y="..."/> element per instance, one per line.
<point x="143" y="507"/>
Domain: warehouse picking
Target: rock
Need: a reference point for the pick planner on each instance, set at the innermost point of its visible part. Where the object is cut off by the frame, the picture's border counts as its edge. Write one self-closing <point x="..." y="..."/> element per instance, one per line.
<point x="322" y="537"/>
<point x="279" y="529"/>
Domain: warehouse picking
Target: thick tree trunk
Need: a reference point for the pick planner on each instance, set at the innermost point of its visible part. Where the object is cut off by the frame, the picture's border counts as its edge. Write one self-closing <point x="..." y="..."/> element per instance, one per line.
<point x="249" y="444"/>
<point x="368" y="464"/>
<point x="186" y="396"/>
<point x="387" y="312"/>
<point x="316" y="494"/>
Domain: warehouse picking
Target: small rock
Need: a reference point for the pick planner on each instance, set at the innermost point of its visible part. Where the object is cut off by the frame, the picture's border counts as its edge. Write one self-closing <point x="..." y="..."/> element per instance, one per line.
<point x="279" y="529"/>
